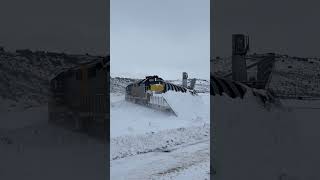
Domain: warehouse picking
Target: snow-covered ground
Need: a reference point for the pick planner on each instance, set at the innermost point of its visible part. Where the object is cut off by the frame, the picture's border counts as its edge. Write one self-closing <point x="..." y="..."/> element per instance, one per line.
<point x="188" y="161"/>
<point x="149" y="144"/>
<point x="30" y="148"/>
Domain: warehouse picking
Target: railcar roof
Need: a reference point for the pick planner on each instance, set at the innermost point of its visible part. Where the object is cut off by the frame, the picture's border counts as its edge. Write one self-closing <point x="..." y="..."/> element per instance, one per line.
<point x="103" y="61"/>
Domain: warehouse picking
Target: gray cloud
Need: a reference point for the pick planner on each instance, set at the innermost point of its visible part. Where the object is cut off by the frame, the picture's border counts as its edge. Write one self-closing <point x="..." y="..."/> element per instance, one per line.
<point x="160" y="37"/>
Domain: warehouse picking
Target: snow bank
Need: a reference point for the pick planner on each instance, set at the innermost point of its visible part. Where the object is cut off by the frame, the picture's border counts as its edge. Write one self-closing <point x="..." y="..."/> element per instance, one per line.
<point x="187" y="106"/>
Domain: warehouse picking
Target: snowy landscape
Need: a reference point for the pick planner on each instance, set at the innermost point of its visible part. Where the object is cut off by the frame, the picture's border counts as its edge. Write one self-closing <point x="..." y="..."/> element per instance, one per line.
<point x="149" y="144"/>
<point x="171" y="147"/>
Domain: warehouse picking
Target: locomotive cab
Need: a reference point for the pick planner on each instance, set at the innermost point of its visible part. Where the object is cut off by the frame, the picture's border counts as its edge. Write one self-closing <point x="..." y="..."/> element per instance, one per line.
<point x="154" y="84"/>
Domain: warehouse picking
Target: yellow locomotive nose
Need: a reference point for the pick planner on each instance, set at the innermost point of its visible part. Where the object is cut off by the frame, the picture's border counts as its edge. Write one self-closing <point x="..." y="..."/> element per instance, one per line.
<point x="157" y="87"/>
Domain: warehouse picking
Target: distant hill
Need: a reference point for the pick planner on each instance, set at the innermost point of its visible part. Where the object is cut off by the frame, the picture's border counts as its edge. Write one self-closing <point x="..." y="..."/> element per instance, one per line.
<point x="24" y="75"/>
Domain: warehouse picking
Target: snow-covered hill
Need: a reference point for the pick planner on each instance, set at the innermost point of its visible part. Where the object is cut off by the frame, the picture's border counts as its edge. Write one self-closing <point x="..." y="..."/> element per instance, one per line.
<point x="296" y="76"/>
<point x="118" y="84"/>
<point x="291" y="76"/>
<point x="24" y="76"/>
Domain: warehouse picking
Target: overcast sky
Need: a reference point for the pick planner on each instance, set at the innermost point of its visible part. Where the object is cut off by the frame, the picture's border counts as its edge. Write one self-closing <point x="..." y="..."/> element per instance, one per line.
<point x="160" y="37"/>
<point x="74" y="26"/>
<point x="284" y="26"/>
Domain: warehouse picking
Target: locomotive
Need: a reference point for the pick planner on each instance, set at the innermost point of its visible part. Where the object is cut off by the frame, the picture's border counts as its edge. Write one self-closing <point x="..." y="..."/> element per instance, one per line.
<point x="148" y="92"/>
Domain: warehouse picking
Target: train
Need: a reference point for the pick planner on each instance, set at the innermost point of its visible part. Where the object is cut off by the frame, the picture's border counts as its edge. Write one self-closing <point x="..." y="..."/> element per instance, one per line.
<point x="148" y="92"/>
